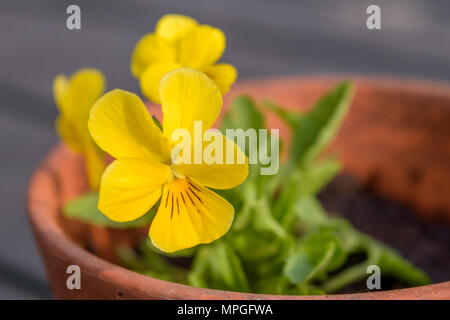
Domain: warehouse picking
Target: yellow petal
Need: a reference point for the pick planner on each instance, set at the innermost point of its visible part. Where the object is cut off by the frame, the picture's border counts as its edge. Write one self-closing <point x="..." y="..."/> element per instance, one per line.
<point x="174" y="26"/>
<point x="93" y="156"/>
<point x="150" y="49"/>
<point x="69" y="134"/>
<point x="60" y="85"/>
<point x="130" y="187"/>
<point x="202" y="47"/>
<point x="121" y="125"/>
<point x="188" y="95"/>
<point x="77" y="96"/>
<point x="218" y="175"/>
<point x="223" y="74"/>
<point x="151" y="78"/>
<point x="188" y="215"/>
<point x="95" y="165"/>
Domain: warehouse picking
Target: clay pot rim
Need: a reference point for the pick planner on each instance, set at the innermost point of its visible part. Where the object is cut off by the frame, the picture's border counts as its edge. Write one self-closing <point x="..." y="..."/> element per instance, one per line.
<point x="380" y="80"/>
<point x="39" y="203"/>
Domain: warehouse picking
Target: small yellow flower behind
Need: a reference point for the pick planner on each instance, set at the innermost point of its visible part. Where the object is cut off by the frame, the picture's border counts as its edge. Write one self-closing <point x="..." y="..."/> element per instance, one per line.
<point x="75" y="97"/>
<point x="189" y="213"/>
<point x="179" y="41"/>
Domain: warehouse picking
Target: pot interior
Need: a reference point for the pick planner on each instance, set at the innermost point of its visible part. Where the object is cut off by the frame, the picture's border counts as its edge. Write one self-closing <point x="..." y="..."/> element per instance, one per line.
<point x="394" y="145"/>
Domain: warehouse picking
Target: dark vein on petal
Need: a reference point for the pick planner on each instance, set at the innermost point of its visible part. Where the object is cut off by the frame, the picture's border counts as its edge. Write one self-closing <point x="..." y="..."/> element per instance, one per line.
<point x="167" y="199"/>
<point x="193" y="203"/>
<point x="190" y="198"/>
<point x="195" y="194"/>
<point x="171" y="209"/>
<point x="194" y="186"/>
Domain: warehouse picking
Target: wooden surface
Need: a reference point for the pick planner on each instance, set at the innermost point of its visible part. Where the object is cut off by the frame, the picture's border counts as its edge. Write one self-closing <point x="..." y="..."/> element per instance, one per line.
<point x="265" y="37"/>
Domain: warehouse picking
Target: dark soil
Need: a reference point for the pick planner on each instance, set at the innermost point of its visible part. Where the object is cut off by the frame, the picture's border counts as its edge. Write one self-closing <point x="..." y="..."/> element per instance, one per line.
<point x="425" y="244"/>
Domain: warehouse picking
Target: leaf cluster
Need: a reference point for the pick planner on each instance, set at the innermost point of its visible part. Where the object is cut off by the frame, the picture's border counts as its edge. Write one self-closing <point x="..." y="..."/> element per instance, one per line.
<point x="282" y="240"/>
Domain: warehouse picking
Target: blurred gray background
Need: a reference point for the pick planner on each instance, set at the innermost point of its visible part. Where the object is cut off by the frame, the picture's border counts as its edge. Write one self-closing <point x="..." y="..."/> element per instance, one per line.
<point x="265" y="37"/>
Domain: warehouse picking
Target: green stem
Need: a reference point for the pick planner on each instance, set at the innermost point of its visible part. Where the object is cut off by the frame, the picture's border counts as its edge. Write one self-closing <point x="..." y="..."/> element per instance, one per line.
<point x="267" y="221"/>
<point x="349" y="275"/>
<point x="276" y="182"/>
<point x="358" y="271"/>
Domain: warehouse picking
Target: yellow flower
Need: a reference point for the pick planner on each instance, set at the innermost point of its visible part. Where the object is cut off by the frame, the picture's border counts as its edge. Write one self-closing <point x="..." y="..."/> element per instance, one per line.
<point x="189" y="213"/>
<point x="75" y="97"/>
<point x="179" y="41"/>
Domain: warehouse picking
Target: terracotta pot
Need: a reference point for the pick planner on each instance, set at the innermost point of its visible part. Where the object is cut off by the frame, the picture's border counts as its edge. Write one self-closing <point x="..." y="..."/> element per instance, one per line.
<point x="396" y="139"/>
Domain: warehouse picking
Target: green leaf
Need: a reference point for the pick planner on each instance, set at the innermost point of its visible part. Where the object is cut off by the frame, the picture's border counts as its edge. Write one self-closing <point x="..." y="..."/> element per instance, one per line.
<point x="263" y="220"/>
<point x="243" y="216"/>
<point x="217" y="266"/>
<point x="318" y="241"/>
<point x="275" y="283"/>
<point x="349" y="238"/>
<point x="156" y="121"/>
<point x="392" y="263"/>
<point x="318" y="175"/>
<point x="302" y="182"/>
<point x="317" y="128"/>
<point x="244" y="117"/>
<point x="255" y="246"/>
<point x="302" y="267"/>
<point x="286" y="194"/>
<point x="309" y="211"/>
<point x="151" y="264"/>
<point x="84" y="208"/>
<point x="319" y="251"/>
<point x="291" y="118"/>
<point x="386" y="258"/>
<point x="198" y="275"/>
<point x="243" y="114"/>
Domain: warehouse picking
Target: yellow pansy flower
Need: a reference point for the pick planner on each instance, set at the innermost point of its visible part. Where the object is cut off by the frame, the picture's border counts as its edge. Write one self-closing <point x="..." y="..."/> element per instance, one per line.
<point x="189" y="213"/>
<point x="74" y="97"/>
<point x="179" y="41"/>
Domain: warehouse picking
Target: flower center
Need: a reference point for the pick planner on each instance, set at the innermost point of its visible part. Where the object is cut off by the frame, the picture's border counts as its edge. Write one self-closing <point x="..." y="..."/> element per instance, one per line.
<point x="174" y="175"/>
